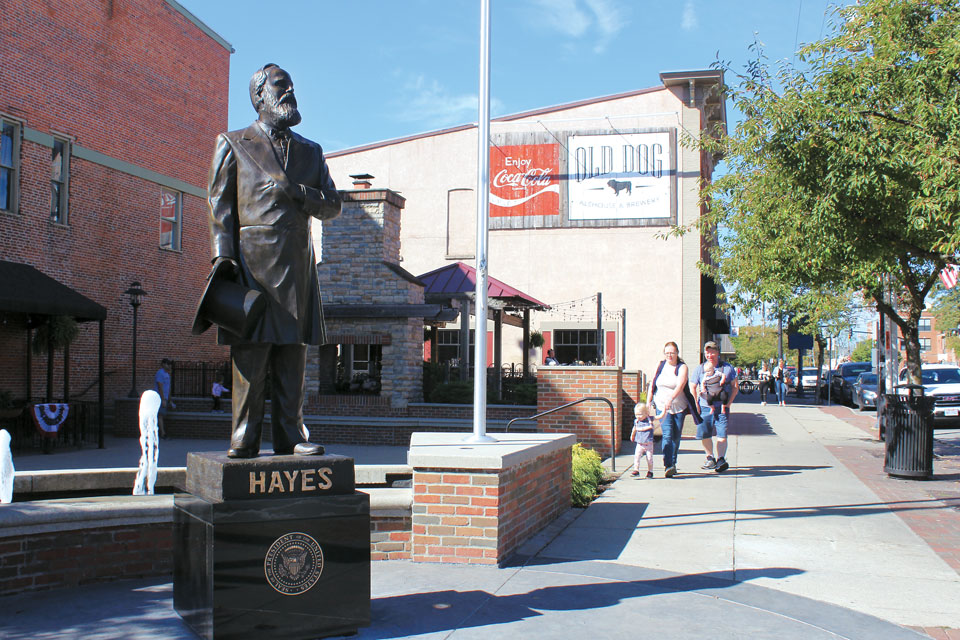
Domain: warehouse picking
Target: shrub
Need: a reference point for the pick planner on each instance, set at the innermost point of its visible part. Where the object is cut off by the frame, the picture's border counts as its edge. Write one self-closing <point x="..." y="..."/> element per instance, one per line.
<point x="586" y="476"/>
<point x="524" y="393"/>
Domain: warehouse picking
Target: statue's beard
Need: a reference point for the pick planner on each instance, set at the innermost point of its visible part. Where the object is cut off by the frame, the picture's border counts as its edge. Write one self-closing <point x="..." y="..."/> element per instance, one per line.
<point x="281" y="114"/>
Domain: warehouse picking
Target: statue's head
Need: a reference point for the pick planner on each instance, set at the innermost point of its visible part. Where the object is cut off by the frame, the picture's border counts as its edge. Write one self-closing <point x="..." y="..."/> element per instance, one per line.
<point x="271" y="93"/>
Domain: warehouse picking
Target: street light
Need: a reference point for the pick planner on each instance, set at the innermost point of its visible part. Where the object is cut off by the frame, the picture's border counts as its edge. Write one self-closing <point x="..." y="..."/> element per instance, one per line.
<point x="136" y="297"/>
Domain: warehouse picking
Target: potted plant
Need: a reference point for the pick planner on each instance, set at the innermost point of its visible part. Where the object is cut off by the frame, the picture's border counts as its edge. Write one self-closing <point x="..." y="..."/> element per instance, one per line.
<point x="536" y="339"/>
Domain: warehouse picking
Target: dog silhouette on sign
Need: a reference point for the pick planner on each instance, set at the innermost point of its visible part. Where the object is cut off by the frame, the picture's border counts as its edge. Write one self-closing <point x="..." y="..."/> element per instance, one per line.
<point x="619" y="186"/>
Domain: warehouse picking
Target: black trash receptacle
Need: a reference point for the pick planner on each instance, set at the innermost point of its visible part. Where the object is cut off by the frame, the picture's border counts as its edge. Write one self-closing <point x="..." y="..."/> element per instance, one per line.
<point x="908" y="422"/>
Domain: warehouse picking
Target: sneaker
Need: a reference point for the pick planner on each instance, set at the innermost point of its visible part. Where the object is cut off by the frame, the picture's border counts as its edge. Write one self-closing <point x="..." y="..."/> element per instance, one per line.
<point x="722" y="465"/>
<point x="634" y="473"/>
<point x="764" y="403"/>
<point x="709" y="464"/>
<point x="649" y="474"/>
<point x="669" y="472"/>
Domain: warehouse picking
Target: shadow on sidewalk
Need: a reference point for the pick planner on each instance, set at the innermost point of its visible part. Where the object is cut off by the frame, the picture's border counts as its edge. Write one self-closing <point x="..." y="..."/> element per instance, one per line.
<point x="419" y="613"/>
<point x="761" y="471"/>
<point x="844" y="510"/>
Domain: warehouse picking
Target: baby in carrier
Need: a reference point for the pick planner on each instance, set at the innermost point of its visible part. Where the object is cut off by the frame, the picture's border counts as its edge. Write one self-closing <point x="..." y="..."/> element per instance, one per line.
<point x="713" y="386"/>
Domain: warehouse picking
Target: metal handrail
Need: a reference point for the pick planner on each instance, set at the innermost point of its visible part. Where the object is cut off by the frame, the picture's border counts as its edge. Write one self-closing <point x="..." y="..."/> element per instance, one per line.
<point x="613" y="423"/>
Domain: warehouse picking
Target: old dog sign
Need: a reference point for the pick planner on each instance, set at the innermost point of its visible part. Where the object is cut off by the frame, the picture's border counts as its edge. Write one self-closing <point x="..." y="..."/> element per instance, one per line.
<point x="619" y="176"/>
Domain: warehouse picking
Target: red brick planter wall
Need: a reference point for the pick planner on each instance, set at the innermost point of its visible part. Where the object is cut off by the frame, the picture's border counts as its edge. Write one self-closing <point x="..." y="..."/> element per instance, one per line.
<point x="60" y="559"/>
<point x="481" y="516"/>
<point x="589" y="421"/>
<point x="390" y="538"/>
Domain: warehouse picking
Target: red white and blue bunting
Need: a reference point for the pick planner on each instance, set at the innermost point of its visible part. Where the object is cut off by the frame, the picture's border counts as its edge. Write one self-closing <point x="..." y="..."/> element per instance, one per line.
<point x="49" y="417"/>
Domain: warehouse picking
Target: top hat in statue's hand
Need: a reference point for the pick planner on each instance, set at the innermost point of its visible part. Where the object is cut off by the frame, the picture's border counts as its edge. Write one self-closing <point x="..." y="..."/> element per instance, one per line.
<point x="227" y="303"/>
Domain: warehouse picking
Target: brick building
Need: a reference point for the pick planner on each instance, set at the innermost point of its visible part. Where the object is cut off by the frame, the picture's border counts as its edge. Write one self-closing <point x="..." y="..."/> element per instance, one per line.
<point x="108" y="115"/>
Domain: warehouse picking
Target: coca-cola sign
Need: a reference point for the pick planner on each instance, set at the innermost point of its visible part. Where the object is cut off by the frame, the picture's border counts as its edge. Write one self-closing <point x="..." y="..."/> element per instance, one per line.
<point x="525" y="180"/>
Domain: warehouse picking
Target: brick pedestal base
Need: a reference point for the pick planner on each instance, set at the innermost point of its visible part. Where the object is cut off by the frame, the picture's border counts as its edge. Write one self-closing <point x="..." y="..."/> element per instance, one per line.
<point x="476" y="503"/>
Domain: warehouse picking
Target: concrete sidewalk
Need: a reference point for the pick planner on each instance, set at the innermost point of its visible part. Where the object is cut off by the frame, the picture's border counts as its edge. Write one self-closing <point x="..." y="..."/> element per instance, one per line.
<point x="792" y="542"/>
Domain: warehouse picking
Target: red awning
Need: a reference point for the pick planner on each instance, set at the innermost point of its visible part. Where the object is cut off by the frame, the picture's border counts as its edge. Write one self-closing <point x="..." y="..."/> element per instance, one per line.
<point x="458" y="279"/>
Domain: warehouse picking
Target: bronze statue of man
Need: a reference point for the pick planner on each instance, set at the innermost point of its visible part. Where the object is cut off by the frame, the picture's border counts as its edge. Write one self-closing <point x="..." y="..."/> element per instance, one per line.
<point x="266" y="183"/>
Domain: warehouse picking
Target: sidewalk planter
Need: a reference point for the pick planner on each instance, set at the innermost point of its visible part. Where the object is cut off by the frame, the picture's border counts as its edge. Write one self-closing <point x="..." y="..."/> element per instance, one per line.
<point x="908" y="424"/>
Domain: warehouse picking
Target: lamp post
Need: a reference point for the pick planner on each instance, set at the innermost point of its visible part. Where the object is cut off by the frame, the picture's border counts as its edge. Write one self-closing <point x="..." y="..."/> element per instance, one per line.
<point x="136" y="297"/>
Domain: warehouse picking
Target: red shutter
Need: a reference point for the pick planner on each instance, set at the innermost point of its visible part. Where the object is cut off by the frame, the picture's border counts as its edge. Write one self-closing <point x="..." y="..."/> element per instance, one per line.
<point x="610" y="349"/>
<point x="426" y="351"/>
<point x="547" y="342"/>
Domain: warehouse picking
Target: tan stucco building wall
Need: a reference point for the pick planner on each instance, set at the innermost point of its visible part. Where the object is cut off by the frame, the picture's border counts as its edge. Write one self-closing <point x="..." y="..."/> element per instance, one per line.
<point x="655" y="279"/>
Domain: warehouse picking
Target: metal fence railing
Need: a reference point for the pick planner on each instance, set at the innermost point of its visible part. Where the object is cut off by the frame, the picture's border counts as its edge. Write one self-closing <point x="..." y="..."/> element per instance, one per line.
<point x="195" y="379"/>
<point x="81" y="428"/>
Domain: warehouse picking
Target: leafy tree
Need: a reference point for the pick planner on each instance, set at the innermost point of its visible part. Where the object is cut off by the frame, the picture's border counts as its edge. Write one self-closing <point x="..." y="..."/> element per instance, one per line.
<point x="946" y="311"/>
<point x="844" y="167"/>
<point x="863" y="352"/>
<point x="754" y="345"/>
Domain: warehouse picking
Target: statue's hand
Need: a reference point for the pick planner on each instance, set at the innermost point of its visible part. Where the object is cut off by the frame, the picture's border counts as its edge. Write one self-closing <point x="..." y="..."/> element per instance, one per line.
<point x="233" y="270"/>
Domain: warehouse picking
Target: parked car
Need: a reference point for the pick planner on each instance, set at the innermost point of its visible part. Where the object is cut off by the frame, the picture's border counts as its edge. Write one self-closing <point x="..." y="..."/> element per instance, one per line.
<point x="808" y="378"/>
<point x="825" y="379"/>
<point x="865" y="390"/>
<point x="942" y="381"/>
<point x="841" y="386"/>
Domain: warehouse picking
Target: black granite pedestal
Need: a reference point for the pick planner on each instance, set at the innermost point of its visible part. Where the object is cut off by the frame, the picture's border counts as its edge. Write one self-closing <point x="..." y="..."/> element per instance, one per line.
<point x="272" y="547"/>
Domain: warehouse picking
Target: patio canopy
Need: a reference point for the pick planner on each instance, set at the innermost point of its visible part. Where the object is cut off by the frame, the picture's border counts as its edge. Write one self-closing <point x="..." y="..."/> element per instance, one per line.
<point x="459" y="280"/>
<point x="24" y="289"/>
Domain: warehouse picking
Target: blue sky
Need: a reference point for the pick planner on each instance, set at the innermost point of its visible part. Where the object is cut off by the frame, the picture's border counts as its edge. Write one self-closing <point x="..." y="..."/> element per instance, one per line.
<point x="371" y="70"/>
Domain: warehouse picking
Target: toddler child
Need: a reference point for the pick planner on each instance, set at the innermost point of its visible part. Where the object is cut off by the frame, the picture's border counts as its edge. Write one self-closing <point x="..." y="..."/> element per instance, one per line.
<point x="642" y="434"/>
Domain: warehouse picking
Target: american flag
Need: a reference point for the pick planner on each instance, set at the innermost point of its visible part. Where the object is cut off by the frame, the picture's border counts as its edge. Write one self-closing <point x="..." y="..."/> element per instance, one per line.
<point x="949" y="276"/>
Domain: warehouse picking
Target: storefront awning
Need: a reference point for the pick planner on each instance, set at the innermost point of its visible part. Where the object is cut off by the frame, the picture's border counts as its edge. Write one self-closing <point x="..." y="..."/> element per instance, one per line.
<point x="24" y="289"/>
<point x="459" y="280"/>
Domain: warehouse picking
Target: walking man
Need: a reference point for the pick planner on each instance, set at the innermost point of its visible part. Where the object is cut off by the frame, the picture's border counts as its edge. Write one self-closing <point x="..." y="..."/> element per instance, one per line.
<point x="714" y="406"/>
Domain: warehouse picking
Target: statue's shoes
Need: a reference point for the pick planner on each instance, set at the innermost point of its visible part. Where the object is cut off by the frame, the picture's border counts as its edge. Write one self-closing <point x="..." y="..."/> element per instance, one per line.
<point x="240" y="452"/>
<point x="305" y="449"/>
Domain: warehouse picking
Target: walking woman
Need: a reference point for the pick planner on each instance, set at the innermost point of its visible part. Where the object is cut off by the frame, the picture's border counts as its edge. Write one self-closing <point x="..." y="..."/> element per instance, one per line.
<point x="779" y="379"/>
<point x="765" y="378"/>
<point x="669" y="398"/>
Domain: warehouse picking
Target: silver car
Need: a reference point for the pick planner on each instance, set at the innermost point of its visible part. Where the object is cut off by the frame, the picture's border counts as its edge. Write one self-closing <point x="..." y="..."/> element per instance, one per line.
<point x="865" y="391"/>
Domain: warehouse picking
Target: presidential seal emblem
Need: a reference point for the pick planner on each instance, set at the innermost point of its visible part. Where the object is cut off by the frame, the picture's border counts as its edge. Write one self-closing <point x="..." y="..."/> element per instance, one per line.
<point x="293" y="563"/>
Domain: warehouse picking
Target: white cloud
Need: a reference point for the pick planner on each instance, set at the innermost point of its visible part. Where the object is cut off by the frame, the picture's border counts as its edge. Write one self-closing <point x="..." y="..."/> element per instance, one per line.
<point x="689" y="20"/>
<point x="425" y="100"/>
<point x="597" y="20"/>
<point x="563" y="16"/>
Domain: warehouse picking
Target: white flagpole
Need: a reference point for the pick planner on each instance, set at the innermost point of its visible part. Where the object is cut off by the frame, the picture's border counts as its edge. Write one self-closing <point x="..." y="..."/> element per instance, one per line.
<point x="483" y="205"/>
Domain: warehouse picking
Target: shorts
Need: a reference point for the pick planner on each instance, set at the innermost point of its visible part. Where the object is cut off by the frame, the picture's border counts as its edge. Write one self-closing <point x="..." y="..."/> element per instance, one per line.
<point x="714" y="424"/>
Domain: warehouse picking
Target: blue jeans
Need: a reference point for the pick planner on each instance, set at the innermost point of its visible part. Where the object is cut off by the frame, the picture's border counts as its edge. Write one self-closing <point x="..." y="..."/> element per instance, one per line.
<point x="781" y="391"/>
<point x="672" y="427"/>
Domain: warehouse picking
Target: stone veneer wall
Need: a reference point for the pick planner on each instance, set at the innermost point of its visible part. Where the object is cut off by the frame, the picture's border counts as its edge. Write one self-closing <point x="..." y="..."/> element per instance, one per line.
<point x="359" y="247"/>
<point x="589" y="421"/>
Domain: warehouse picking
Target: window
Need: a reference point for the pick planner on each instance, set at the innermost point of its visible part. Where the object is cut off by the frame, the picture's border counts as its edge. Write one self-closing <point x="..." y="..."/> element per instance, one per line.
<point x="9" y="164"/>
<point x="925" y="325"/>
<point x="358" y="368"/>
<point x="924" y="344"/>
<point x="170" y="210"/>
<point x="448" y="345"/>
<point x="461" y="223"/>
<point x="575" y="345"/>
<point x="59" y="172"/>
